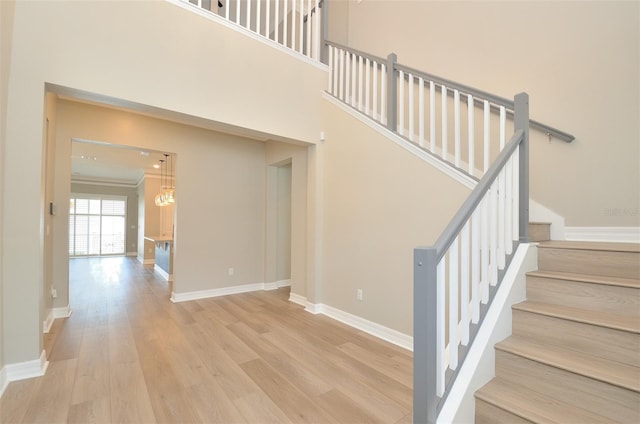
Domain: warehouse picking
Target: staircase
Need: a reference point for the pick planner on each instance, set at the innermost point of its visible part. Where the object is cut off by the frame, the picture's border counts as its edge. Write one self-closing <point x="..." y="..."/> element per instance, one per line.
<point x="574" y="356"/>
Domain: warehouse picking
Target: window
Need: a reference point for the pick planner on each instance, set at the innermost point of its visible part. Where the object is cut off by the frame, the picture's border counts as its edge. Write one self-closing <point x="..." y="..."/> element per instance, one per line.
<point x="97" y="225"/>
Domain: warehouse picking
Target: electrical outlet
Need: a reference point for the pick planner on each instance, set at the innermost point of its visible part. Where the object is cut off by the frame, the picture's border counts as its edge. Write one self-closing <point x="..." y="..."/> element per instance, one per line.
<point x="231" y="271"/>
<point x="359" y="294"/>
<point x="54" y="293"/>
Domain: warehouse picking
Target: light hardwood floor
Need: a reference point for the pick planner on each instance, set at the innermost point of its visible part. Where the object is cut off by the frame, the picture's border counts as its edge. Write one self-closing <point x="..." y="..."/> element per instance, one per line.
<point x="128" y="354"/>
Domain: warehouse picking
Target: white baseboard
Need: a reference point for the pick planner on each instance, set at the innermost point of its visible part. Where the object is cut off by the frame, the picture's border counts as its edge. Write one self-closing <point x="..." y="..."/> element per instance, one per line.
<point x="223" y="291"/>
<point x="540" y="213"/>
<point x="277" y="284"/>
<point x="165" y="274"/>
<point x="62" y="312"/>
<point x="23" y="370"/>
<point x="144" y="261"/>
<point x="48" y="322"/>
<point x="605" y="234"/>
<point x="380" y="331"/>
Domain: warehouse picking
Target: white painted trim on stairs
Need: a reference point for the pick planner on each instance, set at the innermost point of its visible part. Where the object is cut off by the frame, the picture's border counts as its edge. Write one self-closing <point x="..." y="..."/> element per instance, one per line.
<point x="449" y="170"/>
<point x="479" y="365"/>
<point x="604" y="234"/>
<point x="258" y="37"/>
<point x="48" y="322"/>
<point x="540" y="213"/>
<point x="23" y="370"/>
<point x="380" y="331"/>
<point x="223" y="291"/>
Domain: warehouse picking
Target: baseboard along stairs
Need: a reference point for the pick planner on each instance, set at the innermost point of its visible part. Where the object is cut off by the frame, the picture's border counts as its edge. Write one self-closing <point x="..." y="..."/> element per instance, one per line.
<point x="574" y="354"/>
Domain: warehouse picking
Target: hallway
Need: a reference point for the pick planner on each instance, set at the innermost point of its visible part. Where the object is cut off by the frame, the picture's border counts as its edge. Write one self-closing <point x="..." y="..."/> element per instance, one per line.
<point x="128" y="354"/>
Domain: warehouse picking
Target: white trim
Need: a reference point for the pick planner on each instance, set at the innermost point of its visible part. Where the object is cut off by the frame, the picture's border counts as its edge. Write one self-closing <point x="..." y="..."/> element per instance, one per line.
<point x="447" y="169"/>
<point x="540" y="213"/>
<point x="23" y="370"/>
<point x="223" y="291"/>
<point x="380" y="331"/>
<point x="132" y="254"/>
<point x="277" y="285"/>
<point x="605" y="234"/>
<point x="146" y="261"/>
<point x="62" y="312"/>
<point x="242" y="30"/>
<point x="165" y="274"/>
<point x="48" y="322"/>
<point x="479" y="365"/>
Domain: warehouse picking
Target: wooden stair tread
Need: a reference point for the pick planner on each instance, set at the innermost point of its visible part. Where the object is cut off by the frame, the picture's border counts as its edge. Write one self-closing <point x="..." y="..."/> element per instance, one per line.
<point x="588" y="278"/>
<point x="587" y="245"/>
<point x="615" y="373"/>
<point x="533" y="406"/>
<point x="599" y="318"/>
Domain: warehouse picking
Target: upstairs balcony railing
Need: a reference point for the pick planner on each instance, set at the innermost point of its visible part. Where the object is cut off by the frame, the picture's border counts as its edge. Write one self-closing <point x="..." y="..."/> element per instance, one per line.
<point x="295" y="24"/>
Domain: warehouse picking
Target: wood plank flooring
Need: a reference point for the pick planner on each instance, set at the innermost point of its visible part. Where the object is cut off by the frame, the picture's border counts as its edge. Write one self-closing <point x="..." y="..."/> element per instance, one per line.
<point x="128" y="354"/>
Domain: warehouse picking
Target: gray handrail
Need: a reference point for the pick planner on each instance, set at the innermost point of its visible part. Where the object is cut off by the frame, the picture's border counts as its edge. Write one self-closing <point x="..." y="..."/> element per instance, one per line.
<point x="492" y="98"/>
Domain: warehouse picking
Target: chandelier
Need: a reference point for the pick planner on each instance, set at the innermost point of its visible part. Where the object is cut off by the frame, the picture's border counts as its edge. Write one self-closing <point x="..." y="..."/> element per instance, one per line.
<point x="167" y="189"/>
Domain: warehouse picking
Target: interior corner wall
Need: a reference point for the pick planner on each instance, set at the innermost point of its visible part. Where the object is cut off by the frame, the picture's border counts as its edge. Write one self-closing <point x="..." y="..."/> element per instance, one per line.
<point x="279" y="153"/>
<point x="141" y="213"/>
<point x="6" y="36"/>
<point x="578" y="61"/>
<point x="220" y="192"/>
<point x="379" y="203"/>
<point x="48" y="184"/>
<point x="283" y="224"/>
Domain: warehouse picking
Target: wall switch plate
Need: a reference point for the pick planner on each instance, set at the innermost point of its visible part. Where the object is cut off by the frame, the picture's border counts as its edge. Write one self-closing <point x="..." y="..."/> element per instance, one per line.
<point x="231" y="271"/>
<point x="359" y="294"/>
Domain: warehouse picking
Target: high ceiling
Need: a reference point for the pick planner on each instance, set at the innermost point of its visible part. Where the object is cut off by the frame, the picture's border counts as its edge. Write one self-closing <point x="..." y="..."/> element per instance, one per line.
<point x="109" y="163"/>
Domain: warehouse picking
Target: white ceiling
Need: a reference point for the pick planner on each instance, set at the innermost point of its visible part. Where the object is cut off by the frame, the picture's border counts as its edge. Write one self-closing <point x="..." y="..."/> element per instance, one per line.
<point x="110" y="163"/>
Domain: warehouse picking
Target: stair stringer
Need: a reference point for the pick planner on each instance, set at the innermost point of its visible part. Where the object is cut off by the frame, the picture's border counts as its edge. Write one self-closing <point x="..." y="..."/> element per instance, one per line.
<point x="479" y="365"/>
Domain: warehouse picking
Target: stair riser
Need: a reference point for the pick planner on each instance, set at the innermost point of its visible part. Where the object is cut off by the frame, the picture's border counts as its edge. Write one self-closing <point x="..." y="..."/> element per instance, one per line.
<point x="539" y="232"/>
<point x="607" y="343"/>
<point x="595" y="396"/>
<point x="607" y="263"/>
<point x="575" y="294"/>
<point x="486" y="413"/>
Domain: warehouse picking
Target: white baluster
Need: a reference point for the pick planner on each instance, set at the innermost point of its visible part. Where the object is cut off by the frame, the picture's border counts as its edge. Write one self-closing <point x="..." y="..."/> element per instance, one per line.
<point x="199" y="3"/>
<point x="267" y="21"/>
<point x="411" y="108"/>
<point x="293" y="24"/>
<point x="465" y="264"/>
<point x="484" y="282"/>
<point x="440" y="312"/>
<point x="331" y="70"/>
<point x="316" y="36"/>
<point x="285" y="24"/>
<point x="258" y="15"/>
<point x="472" y="143"/>
<point x="375" y="90"/>
<point x="309" y="28"/>
<point x="501" y="194"/>
<point x="515" y="219"/>
<point x="347" y="76"/>
<point x="301" y="32"/>
<point x="487" y="140"/>
<point x="444" y="123"/>
<point x="367" y="84"/>
<point x="354" y="68"/>
<point x="475" y="265"/>
<point x="342" y="72"/>
<point x="226" y="12"/>
<point x="276" y="28"/>
<point x="400" y="128"/>
<point x="508" y="192"/>
<point x="238" y="12"/>
<point x="421" y="111"/>
<point x="383" y="94"/>
<point x="360" y="81"/>
<point x="456" y="128"/>
<point x="453" y="304"/>
<point x="493" y="234"/>
<point x="432" y="117"/>
<point x="248" y="13"/>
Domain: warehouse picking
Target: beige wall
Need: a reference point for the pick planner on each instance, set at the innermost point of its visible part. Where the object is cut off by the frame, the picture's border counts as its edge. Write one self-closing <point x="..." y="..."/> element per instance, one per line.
<point x="380" y="202"/>
<point x="338" y="25"/>
<point x="204" y="79"/>
<point x="283" y="224"/>
<point x="132" y="207"/>
<point x="6" y="36"/>
<point x="579" y="62"/>
<point x="220" y="192"/>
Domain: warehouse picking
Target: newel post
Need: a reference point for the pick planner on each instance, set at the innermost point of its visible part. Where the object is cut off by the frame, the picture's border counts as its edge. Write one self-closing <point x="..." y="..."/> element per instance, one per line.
<point x="521" y="122"/>
<point x="425" y="275"/>
<point x="392" y="93"/>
